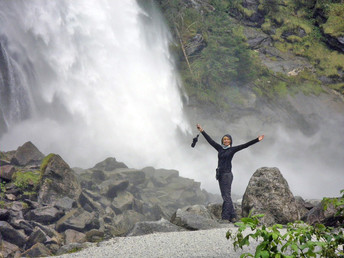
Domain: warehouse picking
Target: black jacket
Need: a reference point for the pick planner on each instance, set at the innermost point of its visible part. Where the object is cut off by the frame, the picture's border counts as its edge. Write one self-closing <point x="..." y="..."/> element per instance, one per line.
<point x="226" y="155"/>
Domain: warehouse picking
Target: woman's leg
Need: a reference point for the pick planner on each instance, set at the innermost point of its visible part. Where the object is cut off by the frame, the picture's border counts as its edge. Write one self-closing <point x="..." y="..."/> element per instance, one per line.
<point x="225" y="182"/>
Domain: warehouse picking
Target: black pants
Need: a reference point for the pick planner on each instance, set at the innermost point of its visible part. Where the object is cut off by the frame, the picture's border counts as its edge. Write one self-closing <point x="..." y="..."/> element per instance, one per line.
<point x="225" y="182"/>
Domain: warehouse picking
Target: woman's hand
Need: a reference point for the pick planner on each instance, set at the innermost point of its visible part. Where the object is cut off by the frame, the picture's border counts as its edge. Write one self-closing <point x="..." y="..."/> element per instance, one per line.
<point x="199" y="127"/>
<point x="261" y="137"/>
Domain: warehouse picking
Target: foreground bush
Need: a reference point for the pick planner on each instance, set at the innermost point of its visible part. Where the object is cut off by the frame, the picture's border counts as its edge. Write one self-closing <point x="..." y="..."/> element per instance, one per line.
<point x="297" y="239"/>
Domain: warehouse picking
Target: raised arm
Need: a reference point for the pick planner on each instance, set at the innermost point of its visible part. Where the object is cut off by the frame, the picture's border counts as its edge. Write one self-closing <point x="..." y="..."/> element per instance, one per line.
<point x="245" y="145"/>
<point x="208" y="138"/>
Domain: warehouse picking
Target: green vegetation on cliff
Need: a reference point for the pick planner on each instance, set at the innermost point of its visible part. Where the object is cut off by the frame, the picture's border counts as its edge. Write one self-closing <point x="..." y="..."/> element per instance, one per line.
<point x="223" y="65"/>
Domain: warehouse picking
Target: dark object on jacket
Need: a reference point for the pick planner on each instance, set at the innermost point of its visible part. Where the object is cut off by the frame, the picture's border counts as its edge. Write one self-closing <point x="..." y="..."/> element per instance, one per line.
<point x="194" y="141"/>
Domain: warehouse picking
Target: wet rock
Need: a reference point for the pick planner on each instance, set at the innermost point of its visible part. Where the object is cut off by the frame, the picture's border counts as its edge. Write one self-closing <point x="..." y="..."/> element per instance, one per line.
<point x="109" y="164"/>
<point x="73" y="236"/>
<point x="6" y="172"/>
<point x="37" y="236"/>
<point x="194" y="218"/>
<point x="124" y="201"/>
<point x="94" y="235"/>
<point x="324" y="216"/>
<point x="134" y="176"/>
<point x="87" y="202"/>
<point x="123" y="223"/>
<point x="22" y="224"/>
<point x="27" y="154"/>
<point x="150" y="227"/>
<point x="58" y="180"/>
<point x="301" y="205"/>
<point x="111" y="187"/>
<point x="65" y="204"/>
<point x="9" y="250"/>
<point x="12" y="235"/>
<point x="38" y="250"/>
<point x="4" y="214"/>
<point x="45" y="215"/>
<point x="268" y="193"/>
<point x="79" y="220"/>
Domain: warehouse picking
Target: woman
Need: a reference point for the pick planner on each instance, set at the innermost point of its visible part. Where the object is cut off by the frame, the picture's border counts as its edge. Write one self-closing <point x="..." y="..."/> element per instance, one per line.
<point x="224" y="169"/>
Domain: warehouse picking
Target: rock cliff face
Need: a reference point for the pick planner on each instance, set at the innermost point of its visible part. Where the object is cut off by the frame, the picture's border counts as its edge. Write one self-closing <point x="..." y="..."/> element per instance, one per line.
<point x="289" y="46"/>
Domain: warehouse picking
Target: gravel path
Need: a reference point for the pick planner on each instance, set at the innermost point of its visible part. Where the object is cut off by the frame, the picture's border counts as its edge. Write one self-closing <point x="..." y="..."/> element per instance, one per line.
<point x="202" y="243"/>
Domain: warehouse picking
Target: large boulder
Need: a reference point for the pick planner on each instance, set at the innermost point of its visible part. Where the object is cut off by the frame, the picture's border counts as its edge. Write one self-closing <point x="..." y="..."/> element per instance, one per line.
<point x="268" y="193"/>
<point x="27" y="154"/>
<point x="58" y="181"/>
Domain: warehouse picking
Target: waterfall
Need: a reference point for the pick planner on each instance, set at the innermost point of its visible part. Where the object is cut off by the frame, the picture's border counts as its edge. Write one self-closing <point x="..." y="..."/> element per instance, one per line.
<point x="89" y="80"/>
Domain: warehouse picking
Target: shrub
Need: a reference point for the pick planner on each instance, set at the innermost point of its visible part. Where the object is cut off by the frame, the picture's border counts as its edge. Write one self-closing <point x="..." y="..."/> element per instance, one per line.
<point x="297" y="240"/>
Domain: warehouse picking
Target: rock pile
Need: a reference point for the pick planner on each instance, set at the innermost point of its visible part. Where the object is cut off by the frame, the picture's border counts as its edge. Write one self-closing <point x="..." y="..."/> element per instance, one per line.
<point x="47" y="208"/>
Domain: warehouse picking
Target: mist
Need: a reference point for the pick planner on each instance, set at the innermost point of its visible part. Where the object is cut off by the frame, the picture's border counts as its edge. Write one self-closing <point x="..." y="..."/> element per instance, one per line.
<point x="101" y="83"/>
<point x="311" y="162"/>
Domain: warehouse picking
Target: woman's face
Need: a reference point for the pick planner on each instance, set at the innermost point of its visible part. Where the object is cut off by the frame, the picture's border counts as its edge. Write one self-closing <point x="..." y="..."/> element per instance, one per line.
<point x="226" y="141"/>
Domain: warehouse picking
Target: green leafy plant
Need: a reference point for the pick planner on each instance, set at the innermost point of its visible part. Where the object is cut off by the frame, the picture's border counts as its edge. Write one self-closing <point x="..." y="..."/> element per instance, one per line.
<point x="296" y="239"/>
<point x="27" y="180"/>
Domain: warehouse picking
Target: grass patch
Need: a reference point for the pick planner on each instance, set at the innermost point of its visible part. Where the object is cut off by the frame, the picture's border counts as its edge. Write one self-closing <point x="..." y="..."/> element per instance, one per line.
<point x="27" y="180"/>
<point x="45" y="162"/>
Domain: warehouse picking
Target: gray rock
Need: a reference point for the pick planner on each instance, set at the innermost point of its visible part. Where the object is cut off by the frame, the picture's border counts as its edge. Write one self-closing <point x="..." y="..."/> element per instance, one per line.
<point x="4" y="214"/>
<point x="134" y="176"/>
<point x="7" y="171"/>
<point x="45" y="215"/>
<point x="73" y="236"/>
<point x="150" y="227"/>
<point x="126" y="201"/>
<point x="125" y="222"/>
<point x="79" y="220"/>
<point x="27" y="154"/>
<point x="9" y="250"/>
<point x="22" y="224"/>
<point x="37" y="236"/>
<point x="38" y="250"/>
<point x="65" y="203"/>
<point x="58" y="181"/>
<point x="327" y="217"/>
<point x="268" y="193"/>
<point x="94" y="235"/>
<point x="12" y="235"/>
<point x="111" y="187"/>
<point x="194" y="218"/>
<point x="88" y="203"/>
<point x="109" y="164"/>
<point x="301" y="205"/>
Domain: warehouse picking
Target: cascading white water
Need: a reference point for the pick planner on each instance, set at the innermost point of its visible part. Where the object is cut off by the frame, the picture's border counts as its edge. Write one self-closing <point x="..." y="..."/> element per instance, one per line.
<point x="102" y="80"/>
